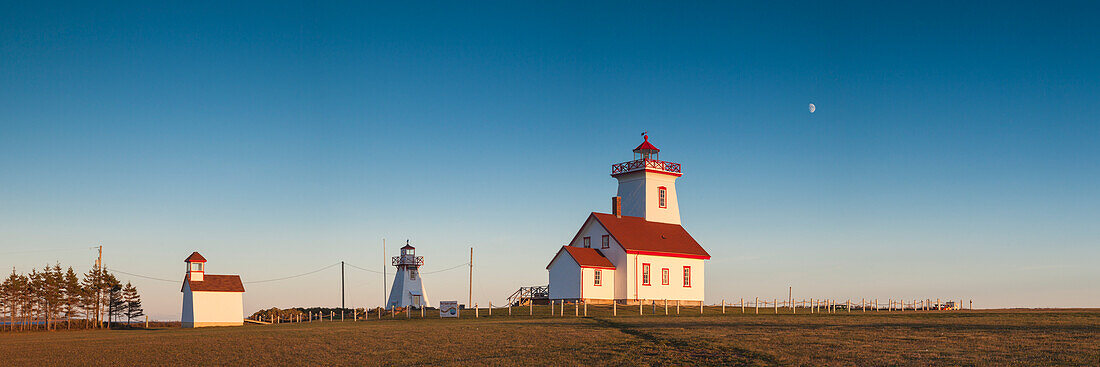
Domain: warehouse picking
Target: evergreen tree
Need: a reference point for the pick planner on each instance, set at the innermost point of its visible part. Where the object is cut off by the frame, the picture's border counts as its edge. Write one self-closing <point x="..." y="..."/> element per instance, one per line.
<point x="72" y="293"/>
<point x="115" y="303"/>
<point x="133" y="302"/>
<point x="9" y="297"/>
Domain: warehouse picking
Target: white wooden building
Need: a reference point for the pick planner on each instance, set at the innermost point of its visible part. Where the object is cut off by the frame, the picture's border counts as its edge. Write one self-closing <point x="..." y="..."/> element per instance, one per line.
<point x="210" y="300"/>
<point x="639" y="252"/>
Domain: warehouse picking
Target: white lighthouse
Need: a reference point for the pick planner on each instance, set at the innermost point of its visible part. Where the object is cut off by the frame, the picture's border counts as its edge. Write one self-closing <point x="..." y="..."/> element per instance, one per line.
<point x="407" y="289"/>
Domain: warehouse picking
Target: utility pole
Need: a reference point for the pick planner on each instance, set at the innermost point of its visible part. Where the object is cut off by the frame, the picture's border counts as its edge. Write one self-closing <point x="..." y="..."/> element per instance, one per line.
<point x="342" y="288"/>
<point x="384" y="298"/>
<point x="98" y="291"/>
<point x="471" y="276"/>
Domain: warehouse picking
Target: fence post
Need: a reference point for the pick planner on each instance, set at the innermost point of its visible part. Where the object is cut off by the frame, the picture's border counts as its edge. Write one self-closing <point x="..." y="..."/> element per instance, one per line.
<point x="700" y="307"/>
<point x="640" y="307"/>
<point x="742" y="304"/>
<point x="723" y="306"/>
<point x="576" y="309"/>
<point x="614" y="308"/>
<point x="531" y="307"/>
<point x="490" y="308"/>
<point x="586" y="309"/>
<point x="756" y="304"/>
<point x="677" y="307"/>
<point x="775" y="303"/>
<point x="666" y="306"/>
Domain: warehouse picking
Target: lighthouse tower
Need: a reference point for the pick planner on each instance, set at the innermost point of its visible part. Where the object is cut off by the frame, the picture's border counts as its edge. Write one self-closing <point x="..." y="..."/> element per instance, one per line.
<point x="407" y="290"/>
<point x="647" y="186"/>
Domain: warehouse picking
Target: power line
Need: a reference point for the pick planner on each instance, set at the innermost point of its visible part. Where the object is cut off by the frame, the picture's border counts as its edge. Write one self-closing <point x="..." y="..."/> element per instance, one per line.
<point x="450" y="268"/>
<point x="140" y="276"/>
<point x="292" y="276"/>
<point x="368" y="270"/>
<point x="46" y="250"/>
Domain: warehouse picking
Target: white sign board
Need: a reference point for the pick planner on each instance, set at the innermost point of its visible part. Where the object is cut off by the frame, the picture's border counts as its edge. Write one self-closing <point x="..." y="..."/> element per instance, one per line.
<point x="448" y="308"/>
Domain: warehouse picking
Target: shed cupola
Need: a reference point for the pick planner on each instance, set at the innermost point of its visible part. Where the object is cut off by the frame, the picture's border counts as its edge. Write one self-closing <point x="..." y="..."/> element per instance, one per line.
<point x="196" y="266"/>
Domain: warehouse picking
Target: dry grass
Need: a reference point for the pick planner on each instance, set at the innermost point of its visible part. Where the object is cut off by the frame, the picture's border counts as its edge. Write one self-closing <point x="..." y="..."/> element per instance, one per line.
<point x="1003" y="337"/>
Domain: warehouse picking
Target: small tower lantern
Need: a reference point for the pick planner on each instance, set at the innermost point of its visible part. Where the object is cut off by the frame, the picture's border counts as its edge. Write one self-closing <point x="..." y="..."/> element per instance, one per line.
<point x="646" y="151"/>
<point x="196" y="266"/>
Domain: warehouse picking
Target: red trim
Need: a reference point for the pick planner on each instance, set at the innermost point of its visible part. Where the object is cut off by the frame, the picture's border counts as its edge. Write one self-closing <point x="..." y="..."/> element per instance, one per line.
<point x="597" y="267"/>
<point x="649" y="170"/>
<point x="687" y="277"/>
<point x="668" y="254"/>
<point x="647" y="275"/>
<point x="594" y="273"/>
<point x="664" y="276"/>
<point x="662" y="203"/>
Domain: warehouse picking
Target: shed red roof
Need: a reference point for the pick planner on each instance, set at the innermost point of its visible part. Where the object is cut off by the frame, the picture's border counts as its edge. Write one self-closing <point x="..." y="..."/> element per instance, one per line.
<point x="215" y="283"/>
<point x="639" y="236"/>
<point x="195" y="258"/>
<point x="585" y="257"/>
<point x="646" y="146"/>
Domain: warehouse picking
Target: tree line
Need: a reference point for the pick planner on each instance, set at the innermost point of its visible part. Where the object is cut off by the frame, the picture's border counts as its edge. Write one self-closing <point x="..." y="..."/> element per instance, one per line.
<point x="46" y="298"/>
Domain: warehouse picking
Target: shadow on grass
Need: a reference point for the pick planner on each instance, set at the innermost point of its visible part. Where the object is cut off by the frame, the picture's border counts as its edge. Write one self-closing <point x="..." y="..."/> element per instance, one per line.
<point x="698" y="352"/>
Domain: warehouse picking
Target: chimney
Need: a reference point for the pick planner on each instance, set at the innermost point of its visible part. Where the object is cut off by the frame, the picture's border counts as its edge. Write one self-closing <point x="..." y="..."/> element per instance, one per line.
<point x="617" y="206"/>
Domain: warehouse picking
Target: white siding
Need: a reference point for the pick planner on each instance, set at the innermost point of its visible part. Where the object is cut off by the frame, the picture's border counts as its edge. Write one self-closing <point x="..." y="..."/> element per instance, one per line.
<point x="614" y="253"/>
<point x="591" y="290"/>
<point x="565" y="277"/>
<point x="639" y="191"/>
<point x="675" y="289"/>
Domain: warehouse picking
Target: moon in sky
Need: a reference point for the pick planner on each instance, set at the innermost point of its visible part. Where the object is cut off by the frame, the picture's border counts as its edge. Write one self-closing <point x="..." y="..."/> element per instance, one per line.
<point x="812" y="108"/>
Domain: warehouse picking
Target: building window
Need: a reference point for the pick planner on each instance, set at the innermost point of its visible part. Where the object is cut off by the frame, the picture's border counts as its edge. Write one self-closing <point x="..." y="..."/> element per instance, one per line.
<point x="664" y="276"/>
<point x="195" y="267"/>
<point x="687" y="276"/>
<point x="605" y="242"/>
<point x="645" y="274"/>
<point x="599" y="277"/>
<point x="662" y="196"/>
<point x="587" y="242"/>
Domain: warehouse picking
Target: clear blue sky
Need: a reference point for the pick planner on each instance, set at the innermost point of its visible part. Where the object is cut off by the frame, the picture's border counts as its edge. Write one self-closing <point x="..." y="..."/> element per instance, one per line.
<point x="953" y="153"/>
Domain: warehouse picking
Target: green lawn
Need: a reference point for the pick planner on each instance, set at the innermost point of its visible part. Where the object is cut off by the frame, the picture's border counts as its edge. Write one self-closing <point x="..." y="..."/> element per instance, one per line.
<point x="1000" y="337"/>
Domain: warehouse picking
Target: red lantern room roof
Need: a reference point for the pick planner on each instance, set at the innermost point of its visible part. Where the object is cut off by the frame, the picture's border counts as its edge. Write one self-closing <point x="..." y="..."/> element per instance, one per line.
<point x="408" y="247"/>
<point x="646" y="147"/>
<point x="195" y="258"/>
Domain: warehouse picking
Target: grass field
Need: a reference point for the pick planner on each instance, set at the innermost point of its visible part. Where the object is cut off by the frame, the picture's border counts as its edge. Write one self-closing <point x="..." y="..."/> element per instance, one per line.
<point x="996" y="337"/>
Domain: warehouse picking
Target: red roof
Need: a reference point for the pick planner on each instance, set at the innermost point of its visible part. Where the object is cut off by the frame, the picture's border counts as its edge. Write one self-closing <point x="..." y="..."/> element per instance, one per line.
<point x="215" y="283"/>
<point x="408" y="247"/>
<point x="195" y="258"/>
<point x="646" y="146"/>
<point x="585" y="257"/>
<point x="639" y="236"/>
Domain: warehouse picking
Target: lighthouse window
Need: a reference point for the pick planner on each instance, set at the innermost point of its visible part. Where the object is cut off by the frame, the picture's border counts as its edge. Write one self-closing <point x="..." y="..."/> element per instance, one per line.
<point x="412" y="274"/>
<point x="195" y="267"/>
<point x="599" y="277"/>
<point x="587" y="242"/>
<point x="645" y="274"/>
<point x="662" y="196"/>
<point x="605" y="242"/>
<point x="687" y="276"/>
